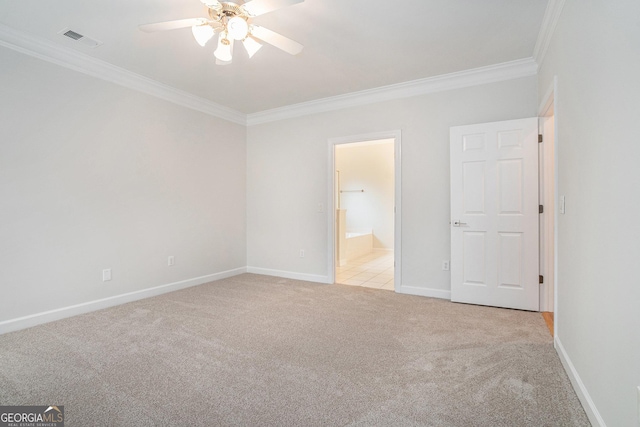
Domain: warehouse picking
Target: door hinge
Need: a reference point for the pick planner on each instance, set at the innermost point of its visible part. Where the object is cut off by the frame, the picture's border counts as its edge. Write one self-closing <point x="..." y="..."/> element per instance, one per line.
<point x="540" y="209"/>
<point x="539" y="137"/>
<point x="540" y="279"/>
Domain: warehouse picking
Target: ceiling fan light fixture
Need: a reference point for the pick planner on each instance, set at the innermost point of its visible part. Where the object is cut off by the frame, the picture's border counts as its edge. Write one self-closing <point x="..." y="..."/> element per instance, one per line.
<point x="202" y="33"/>
<point x="232" y="20"/>
<point x="238" y="28"/>
<point x="225" y="46"/>
<point x="251" y="46"/>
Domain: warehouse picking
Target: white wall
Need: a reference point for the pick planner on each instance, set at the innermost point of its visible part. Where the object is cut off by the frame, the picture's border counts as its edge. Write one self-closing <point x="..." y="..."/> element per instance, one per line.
<point x="368" y="167"/>
<point x="595" y="56"/>
<point x="95" y="176"/>
<point x="288" y="167"/>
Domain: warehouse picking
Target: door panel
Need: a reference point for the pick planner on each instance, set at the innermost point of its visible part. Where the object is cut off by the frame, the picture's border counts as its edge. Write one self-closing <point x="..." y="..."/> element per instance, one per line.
<point x="494" y="208"/>
<point x="473" y="188"/>
<point x="474" y="258"/>
<point x="510" y="260"/>
<point x="510" y="187"/>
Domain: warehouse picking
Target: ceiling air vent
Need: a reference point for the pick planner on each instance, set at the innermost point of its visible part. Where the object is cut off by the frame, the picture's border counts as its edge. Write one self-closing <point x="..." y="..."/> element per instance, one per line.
<point x="73" y="35"/>
<point x="87" y="41"/>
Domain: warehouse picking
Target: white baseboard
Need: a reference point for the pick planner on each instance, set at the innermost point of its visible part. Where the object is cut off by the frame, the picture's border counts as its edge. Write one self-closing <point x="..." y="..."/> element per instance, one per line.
<point x="578" y="386"/>
<point x="290" y="275"/>
<point x="74" y="310"/>
<point x="424" y="292"/>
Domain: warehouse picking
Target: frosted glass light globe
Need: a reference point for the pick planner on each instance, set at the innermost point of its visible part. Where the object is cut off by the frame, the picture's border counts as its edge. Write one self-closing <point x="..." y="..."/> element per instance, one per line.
<point x="237" y="28"/>
<point x="223" y="52"/>
<point x="202" y="33"/>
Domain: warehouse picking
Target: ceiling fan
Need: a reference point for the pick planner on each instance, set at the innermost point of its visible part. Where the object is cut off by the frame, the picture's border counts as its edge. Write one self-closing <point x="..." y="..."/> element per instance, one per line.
<point x="232" y="21"/>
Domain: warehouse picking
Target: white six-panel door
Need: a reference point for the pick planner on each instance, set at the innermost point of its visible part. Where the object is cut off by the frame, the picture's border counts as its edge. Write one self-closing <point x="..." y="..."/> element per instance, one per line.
<point x="494" y="214"/>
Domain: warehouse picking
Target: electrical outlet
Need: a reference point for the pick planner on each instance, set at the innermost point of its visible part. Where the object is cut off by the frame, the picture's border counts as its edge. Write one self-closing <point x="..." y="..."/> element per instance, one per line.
<point x="445" y="265"/>
<point x="301" y="253"/>
<point x="320" y="208"/>
<point x="171" y="260"/>
<point x="106" y="275"/>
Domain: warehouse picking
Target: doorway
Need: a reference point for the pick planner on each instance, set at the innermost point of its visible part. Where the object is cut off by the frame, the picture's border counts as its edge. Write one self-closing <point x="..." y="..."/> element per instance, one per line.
<point x="364" y="222"/>
<point x="548" y="189"/>
<point x="470" y="277"/>
<point x="494" y="211"/>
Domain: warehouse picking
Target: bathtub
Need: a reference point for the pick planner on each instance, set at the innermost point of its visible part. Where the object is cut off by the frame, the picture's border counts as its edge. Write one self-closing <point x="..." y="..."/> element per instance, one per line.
<point x="358" y="244"/>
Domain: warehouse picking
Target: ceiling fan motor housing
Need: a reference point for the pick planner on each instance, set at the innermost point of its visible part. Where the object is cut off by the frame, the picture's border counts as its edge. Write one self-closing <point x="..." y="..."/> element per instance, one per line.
<point x="227" y="10"/>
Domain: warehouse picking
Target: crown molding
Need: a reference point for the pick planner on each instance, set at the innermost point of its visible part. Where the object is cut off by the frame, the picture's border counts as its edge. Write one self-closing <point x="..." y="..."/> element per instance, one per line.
<point x="48" y="51"/>
<point x="549" y="24"/>
<point x="477" y="76"/>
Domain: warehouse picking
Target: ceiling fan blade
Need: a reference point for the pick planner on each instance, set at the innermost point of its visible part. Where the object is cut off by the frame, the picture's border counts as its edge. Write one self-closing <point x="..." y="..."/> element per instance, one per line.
<point x="213" y="4"/>
<point x="260" y="7"/>
<point x="172" y="25"/>
<point x="277" y="40"/>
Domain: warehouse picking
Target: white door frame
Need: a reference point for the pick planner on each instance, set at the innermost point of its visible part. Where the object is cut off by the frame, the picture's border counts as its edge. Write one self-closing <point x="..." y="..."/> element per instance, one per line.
<point x="550" y="100"/>
<point x="396" y="135"/>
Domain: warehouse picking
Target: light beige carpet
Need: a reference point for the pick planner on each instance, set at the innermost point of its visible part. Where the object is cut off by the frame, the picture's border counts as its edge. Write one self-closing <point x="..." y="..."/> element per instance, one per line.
<point x="262" y="351"/>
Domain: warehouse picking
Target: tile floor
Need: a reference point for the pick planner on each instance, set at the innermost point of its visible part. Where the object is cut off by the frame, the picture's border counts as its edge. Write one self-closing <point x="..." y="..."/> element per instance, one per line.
<point x="374" y="270"/>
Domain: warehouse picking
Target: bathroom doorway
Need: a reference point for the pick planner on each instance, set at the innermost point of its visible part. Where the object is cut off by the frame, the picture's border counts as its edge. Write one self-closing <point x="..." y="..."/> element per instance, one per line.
<point x="365" y="205"/>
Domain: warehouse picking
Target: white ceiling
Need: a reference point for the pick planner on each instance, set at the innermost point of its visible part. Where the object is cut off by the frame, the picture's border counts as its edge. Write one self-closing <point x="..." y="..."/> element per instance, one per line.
<point x="350" y="45"/>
